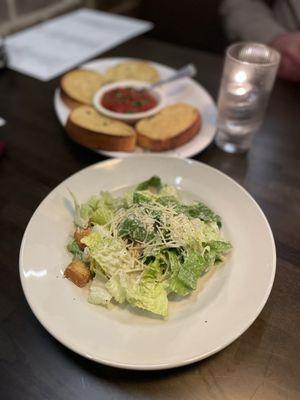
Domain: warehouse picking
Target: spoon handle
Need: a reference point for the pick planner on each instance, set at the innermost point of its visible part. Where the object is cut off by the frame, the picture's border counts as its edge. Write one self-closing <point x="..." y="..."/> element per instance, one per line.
<point x="186" y="71"/>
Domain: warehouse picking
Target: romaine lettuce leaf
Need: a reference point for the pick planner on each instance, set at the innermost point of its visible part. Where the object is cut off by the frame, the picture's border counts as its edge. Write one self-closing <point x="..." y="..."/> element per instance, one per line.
<point x="102" y="215"/>
<point x="219" y="246"/>
<point x="114" y="203"/>
<point x="110" y="253"/>
<point x="215" y="250"/>
<point x="169" y="200"/>
<point x="104" y="199"/>
<point x="117" y="285"/>
<point x="196" y="210"/>
<point x="201" y="211"/>
<point x="192" y="268"/>
<point x="103" y="207"/>
<point x="82" y="213"/>
<point x="153" y="183"/>
<point x="75" y="250"/>
<point x="168" y="190"/>
<point x="133" y="228"/>
<point x="174" y="283"/>
<point x="98" y="209"/>
<point x="149" y="294"/>
<point x="209" y="231"/>
<point x="98" y="294"/>
<point x="143" y="196"/>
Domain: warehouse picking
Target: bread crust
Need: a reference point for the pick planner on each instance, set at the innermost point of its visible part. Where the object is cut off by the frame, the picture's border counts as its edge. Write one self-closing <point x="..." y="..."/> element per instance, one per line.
<point x="69" y="102"/>
<point x="170" y="143"/>
<point x="95" y="140"/>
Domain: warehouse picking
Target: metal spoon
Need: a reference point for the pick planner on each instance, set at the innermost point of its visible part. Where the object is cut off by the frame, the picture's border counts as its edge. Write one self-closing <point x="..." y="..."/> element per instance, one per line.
<point x="186" y="71"/>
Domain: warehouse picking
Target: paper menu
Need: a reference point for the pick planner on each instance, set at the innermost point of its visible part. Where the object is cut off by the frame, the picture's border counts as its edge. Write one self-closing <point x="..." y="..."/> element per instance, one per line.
<point x="53" y="47"/>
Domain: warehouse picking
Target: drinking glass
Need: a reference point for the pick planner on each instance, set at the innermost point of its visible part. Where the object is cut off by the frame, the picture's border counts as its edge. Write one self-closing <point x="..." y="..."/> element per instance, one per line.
<point x="248" y="77"/>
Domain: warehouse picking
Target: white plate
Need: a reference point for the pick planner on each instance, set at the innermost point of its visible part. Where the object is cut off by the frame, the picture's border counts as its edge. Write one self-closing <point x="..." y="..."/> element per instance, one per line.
<point x="185" y="90"/>
<point x="199" y="325"/>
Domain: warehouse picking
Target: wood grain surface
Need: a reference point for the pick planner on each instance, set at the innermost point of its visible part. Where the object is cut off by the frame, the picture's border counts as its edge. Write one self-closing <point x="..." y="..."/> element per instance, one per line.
<point x="263" y="364"/>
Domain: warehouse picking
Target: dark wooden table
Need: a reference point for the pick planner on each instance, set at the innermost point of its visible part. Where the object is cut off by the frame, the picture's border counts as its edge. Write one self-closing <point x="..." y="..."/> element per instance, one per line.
<point x="262" y="364"/>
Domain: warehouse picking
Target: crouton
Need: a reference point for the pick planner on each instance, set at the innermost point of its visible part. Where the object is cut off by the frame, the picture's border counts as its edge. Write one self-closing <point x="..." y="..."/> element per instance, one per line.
<point x="79" y="234"/>
<point x="78" y="273"/>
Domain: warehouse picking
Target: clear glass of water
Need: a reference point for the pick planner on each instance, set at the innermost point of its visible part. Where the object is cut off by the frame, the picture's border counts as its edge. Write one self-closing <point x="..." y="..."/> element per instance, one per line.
<point x="248" y="77"/>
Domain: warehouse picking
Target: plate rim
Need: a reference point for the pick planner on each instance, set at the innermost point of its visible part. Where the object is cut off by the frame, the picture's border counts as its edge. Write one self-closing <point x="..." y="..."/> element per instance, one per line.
<point x="162" y="365"/>
<point x="56" y="98"/>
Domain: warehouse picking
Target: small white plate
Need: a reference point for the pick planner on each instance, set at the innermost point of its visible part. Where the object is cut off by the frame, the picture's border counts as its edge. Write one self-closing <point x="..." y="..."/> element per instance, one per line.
<point x="185" y="90"/>
<point x="225" y="305"/>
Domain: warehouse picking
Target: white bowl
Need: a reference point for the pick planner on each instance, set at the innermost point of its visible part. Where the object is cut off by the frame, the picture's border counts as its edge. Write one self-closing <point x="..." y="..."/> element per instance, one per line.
<point x="131" y="117"/>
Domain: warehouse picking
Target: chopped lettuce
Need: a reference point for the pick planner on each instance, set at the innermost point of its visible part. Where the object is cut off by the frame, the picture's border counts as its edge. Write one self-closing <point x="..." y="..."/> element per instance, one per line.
<point x="82" y="213"/>
<point x="168" y="190"/>
<point x="216" y="250"/>
<point x="108" y="252"/>
<point x="146" y="245"/>
<point x="98" y="294"/>
<point x="193" y="267"/>
<point x="141" y="197"/>
<point x="75" y="250"/>
<point x="201" y="211"/>
<point x="98" y="210"/>
<point x="117" y="286"/>
<point x="102" y="215"/>
<point x="169" y="200"/>
<point x="153" y="183"/>
<point x="133" y="229"/>
<point x="149" y="294"/>
<point x="210" y="231"/>
<point x="174" y="283"/>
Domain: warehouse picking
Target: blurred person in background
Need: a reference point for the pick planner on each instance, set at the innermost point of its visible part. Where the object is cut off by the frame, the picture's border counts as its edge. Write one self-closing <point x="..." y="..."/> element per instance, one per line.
<point x="273" y="22"/>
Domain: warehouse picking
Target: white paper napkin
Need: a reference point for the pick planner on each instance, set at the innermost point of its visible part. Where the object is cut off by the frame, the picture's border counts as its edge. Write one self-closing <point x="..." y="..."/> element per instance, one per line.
<point x="53" y="47"/>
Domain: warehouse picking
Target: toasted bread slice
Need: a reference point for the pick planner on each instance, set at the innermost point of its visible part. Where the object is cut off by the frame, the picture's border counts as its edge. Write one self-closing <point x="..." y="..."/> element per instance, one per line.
<point x="170" y="128"/>
<point x="138" y="70"/>
<point x="91" y="129"/>
<point x="79" y="86"/>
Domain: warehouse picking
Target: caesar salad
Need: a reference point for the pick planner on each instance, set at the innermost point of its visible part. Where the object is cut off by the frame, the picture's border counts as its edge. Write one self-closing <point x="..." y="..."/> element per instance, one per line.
<point x="143" y="246"/>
